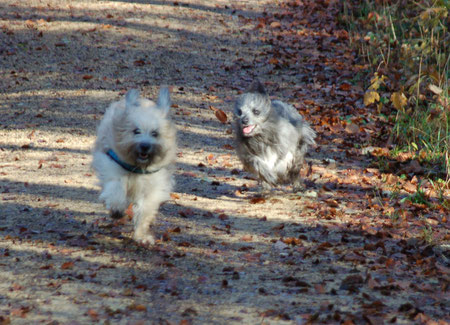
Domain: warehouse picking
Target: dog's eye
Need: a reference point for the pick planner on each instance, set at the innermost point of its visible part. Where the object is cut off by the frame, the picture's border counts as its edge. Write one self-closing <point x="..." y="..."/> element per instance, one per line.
<point x="256" y="112"/>
<point x="155" y="134"/>
<point x="238" y="112"/>
<point x="137" y="131"/>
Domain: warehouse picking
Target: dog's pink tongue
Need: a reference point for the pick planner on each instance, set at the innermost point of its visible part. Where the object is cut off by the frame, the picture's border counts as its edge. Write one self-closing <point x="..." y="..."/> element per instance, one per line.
<point x="248" y="129"/>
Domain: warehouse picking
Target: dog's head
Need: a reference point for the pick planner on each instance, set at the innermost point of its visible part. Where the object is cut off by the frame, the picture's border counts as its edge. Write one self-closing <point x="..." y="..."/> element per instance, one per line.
<point x="143" y="132"/>
<point x="251" y="110"/>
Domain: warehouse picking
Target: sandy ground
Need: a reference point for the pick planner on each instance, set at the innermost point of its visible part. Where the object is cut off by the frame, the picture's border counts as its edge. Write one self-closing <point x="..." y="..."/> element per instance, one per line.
<point x="220" y="257"/>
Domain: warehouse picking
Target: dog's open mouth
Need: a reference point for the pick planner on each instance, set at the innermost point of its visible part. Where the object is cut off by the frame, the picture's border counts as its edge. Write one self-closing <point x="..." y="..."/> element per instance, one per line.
<point x="248" y="129"/>
<point x="143" y="156"/>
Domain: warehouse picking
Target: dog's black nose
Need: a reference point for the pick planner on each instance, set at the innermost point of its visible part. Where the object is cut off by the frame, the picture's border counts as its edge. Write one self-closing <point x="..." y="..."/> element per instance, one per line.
<point x="244" y="120"/>
<point x="145" y="147"/>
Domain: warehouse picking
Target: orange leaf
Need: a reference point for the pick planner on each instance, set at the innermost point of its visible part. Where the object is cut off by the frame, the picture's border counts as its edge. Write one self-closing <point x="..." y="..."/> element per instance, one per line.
<point x="275" y="24"/>
<point x="257" y="200"/>
<point x="332" y="203"/>
<point x="273" y="61"/>
<point x="174" y="196"/>
<point x="67" y="265"/>
<point x="93" y="314"/>
<point x="345" y="86"/>
<point x="390" y="263"/>
<point x="292" y="241"/>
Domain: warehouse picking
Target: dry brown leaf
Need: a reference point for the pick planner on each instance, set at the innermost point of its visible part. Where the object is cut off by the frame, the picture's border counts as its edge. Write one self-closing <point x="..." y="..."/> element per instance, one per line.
<point x="352" y="128"/>
<point x="93" y="314"/>
<point x="275" y="24"/>
<point x="257" y="200"/>
<point x="409" y="187"/>
<point x="221" y="116"/>
<point x="67" y="266"/>
<point x="435" y="89"/>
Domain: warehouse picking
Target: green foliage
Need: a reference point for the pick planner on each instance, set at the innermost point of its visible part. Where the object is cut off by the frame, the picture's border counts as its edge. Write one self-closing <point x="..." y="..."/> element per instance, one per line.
<point x="405" y="44"/>
<point x="418" y="197"/>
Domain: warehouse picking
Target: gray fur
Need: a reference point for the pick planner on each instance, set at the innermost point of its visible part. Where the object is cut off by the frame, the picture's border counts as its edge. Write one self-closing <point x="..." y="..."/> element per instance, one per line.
<point x="274" y="149"/>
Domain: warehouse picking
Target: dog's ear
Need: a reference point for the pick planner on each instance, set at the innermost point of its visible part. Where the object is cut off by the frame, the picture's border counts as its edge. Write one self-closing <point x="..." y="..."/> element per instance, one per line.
<point x="132" y="98"/>
<point x="257" y="87"/>
<point x="163" y="102"/>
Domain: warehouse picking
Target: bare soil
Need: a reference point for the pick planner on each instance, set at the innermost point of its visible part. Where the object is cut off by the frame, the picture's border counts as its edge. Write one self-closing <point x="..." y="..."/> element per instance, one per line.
<point x="222" y="255"/>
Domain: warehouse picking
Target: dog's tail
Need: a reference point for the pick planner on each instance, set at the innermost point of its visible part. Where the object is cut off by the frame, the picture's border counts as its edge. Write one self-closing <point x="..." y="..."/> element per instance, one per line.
<point x="306" y="139"/>
<point x="164" y="99"/>
<point x="308" y="134"/>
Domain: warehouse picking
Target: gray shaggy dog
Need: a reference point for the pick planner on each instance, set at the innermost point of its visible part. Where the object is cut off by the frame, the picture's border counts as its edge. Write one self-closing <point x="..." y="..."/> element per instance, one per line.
<point x="272" y="138"/>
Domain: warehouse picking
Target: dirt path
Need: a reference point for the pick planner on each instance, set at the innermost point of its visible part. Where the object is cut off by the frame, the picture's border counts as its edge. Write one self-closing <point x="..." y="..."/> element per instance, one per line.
<point x="332" y="254"/>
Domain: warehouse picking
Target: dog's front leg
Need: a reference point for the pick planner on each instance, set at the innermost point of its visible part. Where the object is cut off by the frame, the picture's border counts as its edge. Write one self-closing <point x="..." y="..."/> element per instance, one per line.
<point x="266" y="177"/>
<point x="114" y="195"/>
<point x="144" y="211"/>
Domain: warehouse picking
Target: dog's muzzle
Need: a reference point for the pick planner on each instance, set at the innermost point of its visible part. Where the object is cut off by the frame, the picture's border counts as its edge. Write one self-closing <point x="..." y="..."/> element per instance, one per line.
<point x="144" y="150"/>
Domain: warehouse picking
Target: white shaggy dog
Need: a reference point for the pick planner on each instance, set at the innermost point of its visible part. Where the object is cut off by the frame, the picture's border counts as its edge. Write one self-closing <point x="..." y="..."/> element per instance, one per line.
<point x="132" y="157"/>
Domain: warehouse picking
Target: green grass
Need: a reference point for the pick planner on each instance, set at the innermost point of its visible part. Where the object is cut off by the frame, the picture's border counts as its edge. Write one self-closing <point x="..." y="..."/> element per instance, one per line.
<point x="406" y="42"/>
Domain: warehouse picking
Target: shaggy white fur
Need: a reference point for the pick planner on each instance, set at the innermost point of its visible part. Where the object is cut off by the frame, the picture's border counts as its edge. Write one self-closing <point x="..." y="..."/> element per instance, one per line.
<point x="142" y="136"/>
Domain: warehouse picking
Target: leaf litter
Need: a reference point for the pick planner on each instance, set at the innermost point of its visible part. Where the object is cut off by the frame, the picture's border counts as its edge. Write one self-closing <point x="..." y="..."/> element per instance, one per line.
<point x="361" y="247"/>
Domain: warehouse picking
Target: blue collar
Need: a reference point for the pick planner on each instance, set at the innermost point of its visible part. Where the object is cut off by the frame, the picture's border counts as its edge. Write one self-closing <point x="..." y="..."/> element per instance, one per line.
<point x="128" y="167"/>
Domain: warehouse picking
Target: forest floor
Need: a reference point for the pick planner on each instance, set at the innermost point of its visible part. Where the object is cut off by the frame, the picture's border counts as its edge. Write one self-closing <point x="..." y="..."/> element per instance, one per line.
<point x="356" y="247"/>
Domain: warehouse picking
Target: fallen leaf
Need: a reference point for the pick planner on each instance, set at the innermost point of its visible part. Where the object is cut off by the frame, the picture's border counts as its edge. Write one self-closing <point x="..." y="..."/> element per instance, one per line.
<point x="137" y="307"/>
<point x="275" y="24"/>
<point x="292" y="241"/>
<point x="399" y="100"/>
<point x="223" y="216"/>
<point x="174" y="196"/>
<point x="435" y="89"/>
<point x="93" y="314"/>
<point x="67" y="265"/>
<point x="257" y="200"/>
<point x="20" y="312"/>
<point x="409" y="187"/>
<point x="221" y="116"/>
<point x="352" y="128"/>
<point x="371" y="97"/>
<point x="273" y="61"/>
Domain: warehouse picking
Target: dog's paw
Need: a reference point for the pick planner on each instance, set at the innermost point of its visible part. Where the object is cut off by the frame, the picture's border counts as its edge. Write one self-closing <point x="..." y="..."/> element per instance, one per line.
<point x="144" y="239"/>
<point x="113" y="197"/>
<point x="298" y="187"/>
